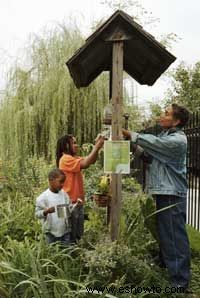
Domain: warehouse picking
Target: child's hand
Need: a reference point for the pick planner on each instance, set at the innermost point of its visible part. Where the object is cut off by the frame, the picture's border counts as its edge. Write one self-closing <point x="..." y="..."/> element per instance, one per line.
<point x="79" y="202"/>
<point x="98" y="138"/>
<point x="99" y="142"/>
<point x="49" y="210"/>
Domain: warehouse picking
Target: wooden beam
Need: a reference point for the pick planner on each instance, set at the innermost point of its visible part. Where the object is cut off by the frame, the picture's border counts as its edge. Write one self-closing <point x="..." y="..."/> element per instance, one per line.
<point x="110" y="85"/>
<point x="117" y="95"/>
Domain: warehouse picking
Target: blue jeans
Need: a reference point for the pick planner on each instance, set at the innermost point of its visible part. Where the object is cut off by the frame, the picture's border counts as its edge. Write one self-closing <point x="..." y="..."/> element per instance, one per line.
<point x="77" y="221"/>
<point x="64" y="240"/>
<point x="174" y="243"/>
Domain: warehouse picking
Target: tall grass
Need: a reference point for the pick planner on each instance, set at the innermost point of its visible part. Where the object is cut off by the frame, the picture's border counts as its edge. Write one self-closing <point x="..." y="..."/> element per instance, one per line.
<point x="31" y="268"/>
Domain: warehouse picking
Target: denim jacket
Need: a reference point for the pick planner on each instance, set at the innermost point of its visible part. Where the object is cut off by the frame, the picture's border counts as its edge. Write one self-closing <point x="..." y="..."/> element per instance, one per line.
<point x="166" y="174"/>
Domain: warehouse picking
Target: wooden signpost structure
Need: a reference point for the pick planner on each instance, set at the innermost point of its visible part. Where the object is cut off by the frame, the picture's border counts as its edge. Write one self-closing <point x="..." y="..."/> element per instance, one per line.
<point x="119" y="44"/>
<point x="117" y="96"/>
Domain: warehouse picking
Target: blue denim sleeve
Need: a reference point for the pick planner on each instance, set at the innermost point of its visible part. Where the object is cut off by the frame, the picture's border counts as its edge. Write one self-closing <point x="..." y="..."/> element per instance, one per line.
<point x="168" y="145"/>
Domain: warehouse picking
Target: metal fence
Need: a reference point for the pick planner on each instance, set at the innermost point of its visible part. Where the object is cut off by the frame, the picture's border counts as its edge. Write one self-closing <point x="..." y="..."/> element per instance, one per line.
<point x="192" y="131"/>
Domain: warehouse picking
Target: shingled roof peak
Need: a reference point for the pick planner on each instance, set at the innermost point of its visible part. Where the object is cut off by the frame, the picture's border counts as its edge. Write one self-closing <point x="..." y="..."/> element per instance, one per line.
<point x="145" y="59"/>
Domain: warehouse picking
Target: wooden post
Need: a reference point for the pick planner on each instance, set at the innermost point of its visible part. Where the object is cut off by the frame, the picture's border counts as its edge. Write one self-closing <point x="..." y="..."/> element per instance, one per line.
<point x="117" y="94"/>
<point x="110" y="85"/>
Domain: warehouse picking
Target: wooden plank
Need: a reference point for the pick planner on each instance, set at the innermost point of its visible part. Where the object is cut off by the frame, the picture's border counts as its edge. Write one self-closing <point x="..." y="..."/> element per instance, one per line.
<point x="110" y="84"/>
<point x="117" y="94"/>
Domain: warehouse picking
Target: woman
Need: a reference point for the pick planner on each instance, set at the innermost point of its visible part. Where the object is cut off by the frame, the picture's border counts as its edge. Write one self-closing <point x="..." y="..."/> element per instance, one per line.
<point x="71" y="164"/>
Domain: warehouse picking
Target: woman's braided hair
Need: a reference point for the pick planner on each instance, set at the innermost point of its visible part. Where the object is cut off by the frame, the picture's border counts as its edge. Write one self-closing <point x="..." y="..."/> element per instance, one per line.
<point x="64" y="145"/>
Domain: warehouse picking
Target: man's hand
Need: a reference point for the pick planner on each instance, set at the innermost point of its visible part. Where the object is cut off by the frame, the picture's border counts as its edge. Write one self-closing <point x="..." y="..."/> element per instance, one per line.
<point x="49" y="210"/>
<point x="126" y="134"/>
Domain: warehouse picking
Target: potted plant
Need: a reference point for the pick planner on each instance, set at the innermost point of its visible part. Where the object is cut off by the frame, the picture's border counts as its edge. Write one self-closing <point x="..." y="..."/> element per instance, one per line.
<point x="102" y="195"/>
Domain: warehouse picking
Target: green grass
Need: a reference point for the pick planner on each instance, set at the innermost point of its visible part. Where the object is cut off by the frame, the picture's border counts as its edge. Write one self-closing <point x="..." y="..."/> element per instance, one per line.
<point x="194" y="237"/>
<point x="30" y="268"/>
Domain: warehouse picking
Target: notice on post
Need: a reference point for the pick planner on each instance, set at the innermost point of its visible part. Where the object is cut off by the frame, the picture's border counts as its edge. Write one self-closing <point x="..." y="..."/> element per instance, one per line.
<point x="117" y="157"/>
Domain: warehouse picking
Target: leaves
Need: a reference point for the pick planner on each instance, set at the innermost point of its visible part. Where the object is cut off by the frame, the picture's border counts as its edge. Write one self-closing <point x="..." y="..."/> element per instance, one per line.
<point x="186" y="86"/>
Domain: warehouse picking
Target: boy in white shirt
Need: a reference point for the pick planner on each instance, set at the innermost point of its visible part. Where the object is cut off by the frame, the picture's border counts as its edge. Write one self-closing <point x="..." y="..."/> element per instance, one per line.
<point x="55" y="226"/>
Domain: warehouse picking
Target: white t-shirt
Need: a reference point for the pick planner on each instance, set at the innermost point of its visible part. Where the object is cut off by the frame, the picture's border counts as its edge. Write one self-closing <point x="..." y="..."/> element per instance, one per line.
<point x="52" y="223"/>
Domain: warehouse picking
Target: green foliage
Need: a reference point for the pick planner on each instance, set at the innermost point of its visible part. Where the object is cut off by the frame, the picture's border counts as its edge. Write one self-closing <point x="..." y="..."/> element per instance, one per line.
<point x="133" y="227"/>
<point x="127" y="261"/>
<point x="194" y="237"/>
<point x="156" y="111"/>
<point x="95" y="227"/>
<point x="16" y="217"/>
<point x="34" y="173"/>
<point x="135" y="116"/>
<point x="91" y="178"/>
<point x="133" y="7"/>
<point x="107" y="262"/>
<point x="129" y="184"/>
<point x="148" y="208"/>
<point x="168" y="39"/>
<point x="28" y="267"/>
<point x="186" y="86"/>
<point x="17" y="198"/>
<point x="42" y="102"/>
<point x="31" y="268"/>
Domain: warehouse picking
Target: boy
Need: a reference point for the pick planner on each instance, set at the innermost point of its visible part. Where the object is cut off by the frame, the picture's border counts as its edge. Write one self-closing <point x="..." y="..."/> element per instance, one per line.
<point x="55" y="228"/>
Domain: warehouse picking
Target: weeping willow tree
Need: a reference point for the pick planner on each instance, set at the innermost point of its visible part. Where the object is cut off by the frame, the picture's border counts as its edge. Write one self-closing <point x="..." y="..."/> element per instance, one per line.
<point x="42" y="103"/>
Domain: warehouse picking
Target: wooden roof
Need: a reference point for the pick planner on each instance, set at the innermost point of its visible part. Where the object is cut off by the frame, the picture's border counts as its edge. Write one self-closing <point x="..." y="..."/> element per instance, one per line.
<point x="145" y="59"/>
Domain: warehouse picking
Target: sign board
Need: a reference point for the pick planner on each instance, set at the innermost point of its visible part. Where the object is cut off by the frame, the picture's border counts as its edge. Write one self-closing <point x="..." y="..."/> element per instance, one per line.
<point x="117" y="157"/>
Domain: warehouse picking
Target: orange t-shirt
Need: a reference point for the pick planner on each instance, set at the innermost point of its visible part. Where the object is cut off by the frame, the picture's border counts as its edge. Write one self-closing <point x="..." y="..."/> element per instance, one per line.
<point x="73" y="185"/>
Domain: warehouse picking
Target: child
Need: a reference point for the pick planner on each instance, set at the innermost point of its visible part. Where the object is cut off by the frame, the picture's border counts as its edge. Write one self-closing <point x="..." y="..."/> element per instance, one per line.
<point x="72" y="165"/>
<point x="55" y="228"/>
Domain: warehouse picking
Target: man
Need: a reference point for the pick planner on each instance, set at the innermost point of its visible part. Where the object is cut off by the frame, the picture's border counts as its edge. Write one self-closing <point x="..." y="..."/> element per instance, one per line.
<point x="166" y="182"/>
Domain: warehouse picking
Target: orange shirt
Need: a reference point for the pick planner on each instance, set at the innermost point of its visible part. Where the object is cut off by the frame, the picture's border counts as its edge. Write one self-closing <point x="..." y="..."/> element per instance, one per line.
<point x="73" y="185"/>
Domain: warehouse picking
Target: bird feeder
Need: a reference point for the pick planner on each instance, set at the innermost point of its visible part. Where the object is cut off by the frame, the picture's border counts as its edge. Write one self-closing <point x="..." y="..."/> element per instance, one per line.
<point x="107" y="114"/>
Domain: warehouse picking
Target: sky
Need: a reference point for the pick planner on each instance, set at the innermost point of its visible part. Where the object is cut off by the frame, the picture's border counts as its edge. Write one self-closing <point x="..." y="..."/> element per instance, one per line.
<point x="21" y="18"/>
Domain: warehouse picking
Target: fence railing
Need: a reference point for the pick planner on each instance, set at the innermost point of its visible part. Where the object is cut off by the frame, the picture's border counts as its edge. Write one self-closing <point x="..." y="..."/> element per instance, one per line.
<point x="192" y="131"/>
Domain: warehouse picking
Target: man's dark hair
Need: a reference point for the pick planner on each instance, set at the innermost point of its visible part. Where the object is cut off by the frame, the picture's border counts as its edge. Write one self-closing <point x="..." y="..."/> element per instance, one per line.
<point x="180" y="113"/>
<point x="55" y="173"/>
<point x="63" y="146"/>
